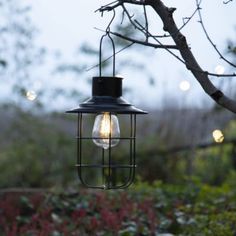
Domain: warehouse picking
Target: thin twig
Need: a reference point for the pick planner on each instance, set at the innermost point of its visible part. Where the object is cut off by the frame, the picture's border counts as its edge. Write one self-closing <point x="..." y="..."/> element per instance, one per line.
<point x="188" y="58"/>
<point x="181" y="60"/>
<point x="188" y="20"/>
<point x="145" y="31"/>
<point x="130" y="17"/>
<point x="167" y="49"/>
<point x="226" y="2"/>
<point x="144" y="43"/>
<point x="208" y="37"/>
<point x="221" y="75"/>
<point x="115" y="4"/>
<point x="125" y="11"/>
<point x="108" y="58"/>
<point x="108" y="7"/>
<point x="123" y="17"/>
<point x="146" y="20"/>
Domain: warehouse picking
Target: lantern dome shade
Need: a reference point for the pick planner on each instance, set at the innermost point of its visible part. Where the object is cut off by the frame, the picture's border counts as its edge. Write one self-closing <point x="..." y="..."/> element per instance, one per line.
<point x="107" y="97"/>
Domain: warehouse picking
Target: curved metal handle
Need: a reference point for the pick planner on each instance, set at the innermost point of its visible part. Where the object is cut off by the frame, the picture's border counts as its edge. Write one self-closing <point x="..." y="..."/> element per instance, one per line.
<point x="100" y="54"/>
<point x="113" y="47"/>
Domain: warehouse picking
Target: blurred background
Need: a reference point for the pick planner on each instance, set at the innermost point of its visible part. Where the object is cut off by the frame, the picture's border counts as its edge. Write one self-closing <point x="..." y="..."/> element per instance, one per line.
<point x="48" y="55"/>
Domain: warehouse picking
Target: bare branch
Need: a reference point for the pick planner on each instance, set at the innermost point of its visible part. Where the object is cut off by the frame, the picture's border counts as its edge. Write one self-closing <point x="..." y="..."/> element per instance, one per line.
<point x="178" y="58"/>
<point x="221" y="75"/>
<point x="226" y="2"/>
<point x="186" y="20"/>
<point x="144" y="30"/>
<point x="109" y="7"/>
<point x="146" y="21"/>
<point x="159" y="42"/>
<point x="188" y="57"/>
<point x="117" y="3"/>
<point x="144" y="43"/>
<point x="208" y="37"/>
<point x="166" y="15"/>
<point x="123" y="17"/>
<point x="130" y="19"/>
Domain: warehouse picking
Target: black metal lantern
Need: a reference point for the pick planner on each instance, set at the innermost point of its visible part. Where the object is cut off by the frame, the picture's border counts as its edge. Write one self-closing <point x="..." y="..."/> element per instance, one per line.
<point x="106" y="104"/>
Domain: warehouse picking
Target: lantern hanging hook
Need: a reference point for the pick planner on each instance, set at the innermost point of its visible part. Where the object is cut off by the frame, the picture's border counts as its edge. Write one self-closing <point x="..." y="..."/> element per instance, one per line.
<point x="113" y="17"/>
<point x="112" y="43"/>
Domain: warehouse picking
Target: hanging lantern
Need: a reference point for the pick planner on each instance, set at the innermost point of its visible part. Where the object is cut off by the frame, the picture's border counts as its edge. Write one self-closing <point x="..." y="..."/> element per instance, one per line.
<point x="107" y="108"/>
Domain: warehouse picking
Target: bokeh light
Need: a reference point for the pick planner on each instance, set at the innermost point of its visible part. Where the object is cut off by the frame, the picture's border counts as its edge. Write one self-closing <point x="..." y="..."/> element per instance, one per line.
<point x="219" y="70"/>
<point x="218" y="136"/>
<point x="31" y="95"/>
<point x="184" y="85"/>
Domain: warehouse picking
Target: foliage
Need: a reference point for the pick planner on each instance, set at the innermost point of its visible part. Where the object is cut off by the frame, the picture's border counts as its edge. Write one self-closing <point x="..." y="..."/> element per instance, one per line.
<point x="19" y="53"/>
<point x="36" y="145"/>
<point x="158" y="209"/>
<point x="38" y="152"/>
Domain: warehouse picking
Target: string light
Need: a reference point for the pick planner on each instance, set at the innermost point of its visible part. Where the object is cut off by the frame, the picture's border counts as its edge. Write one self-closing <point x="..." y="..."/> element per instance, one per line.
<point x="219" y="70"/>
<point x="184" y="85"/>
<point x="218" y="136"/>
<point x="31" y="95"/>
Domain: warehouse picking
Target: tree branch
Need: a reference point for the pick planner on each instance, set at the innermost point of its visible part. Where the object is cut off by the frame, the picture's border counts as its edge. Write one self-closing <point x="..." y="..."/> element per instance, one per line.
<point x="178" y="58"/>
<point x="144" y="43"/>
<point x="226" y="2"/>
<point x="109" y="7"/>
<point x="117" y="3"/>
<point x="169" y="25"/>
<point x="208" y="36"/>
<point x="146" y="21"/>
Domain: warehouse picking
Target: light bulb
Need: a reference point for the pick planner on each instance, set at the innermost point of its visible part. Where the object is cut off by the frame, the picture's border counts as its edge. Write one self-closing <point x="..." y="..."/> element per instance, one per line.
<point x="106" y="126"/>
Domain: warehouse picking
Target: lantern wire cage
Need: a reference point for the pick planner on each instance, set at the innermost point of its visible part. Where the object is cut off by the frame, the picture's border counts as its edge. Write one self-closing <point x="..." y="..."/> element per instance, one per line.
<point x="107" y="164"/>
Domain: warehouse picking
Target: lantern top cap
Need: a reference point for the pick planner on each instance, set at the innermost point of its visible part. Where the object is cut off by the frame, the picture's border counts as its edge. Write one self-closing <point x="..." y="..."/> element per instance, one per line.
<point x="107" y="97"/>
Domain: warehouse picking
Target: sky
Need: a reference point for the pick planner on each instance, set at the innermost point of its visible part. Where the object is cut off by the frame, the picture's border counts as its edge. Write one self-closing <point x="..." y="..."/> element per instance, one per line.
<point x="66" y="24"/>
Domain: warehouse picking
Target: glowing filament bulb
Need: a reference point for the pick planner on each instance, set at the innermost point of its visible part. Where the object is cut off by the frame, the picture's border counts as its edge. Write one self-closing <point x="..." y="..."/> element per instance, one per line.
<point x="105" y="130"/>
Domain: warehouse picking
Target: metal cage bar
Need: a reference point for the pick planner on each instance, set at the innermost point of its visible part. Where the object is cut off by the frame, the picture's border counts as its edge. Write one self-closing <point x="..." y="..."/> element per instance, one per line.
<point x="109" y="157"/>
<point x="132" y="153"/>
<point x="107" y="179"/>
